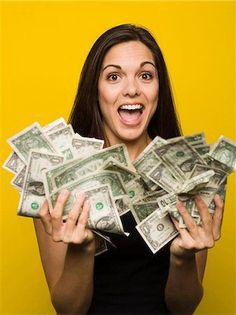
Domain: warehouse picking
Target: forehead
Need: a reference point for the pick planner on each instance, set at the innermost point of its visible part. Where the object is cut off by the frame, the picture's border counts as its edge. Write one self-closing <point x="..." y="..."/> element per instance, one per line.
<point x="132" y="51"/>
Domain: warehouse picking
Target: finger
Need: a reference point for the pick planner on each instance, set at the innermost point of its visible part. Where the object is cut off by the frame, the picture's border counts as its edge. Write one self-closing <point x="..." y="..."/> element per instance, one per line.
<point x="76" y="209"/>
<point x="188" y="220"/>
<point x="45" y="217"/>
<point x="84" y="214"/>
<point x="185" y="240"/>
<point x="56" y="215"/>
<point x="73" y="217"/>
<point x="182" y="231"/>
<point x="204" y="213"/>
<point x="87" y="208"/>
<point x="82" y="233"/>
<point x="217" y="217"/>
<point x="176" y="223"/>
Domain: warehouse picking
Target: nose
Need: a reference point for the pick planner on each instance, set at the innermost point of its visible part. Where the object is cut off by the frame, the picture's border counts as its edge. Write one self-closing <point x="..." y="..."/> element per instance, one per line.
<point x="131" y="88"/>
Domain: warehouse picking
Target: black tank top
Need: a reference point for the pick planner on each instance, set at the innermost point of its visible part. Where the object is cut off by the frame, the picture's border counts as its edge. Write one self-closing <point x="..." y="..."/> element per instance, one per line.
<point x="130" y="279"/>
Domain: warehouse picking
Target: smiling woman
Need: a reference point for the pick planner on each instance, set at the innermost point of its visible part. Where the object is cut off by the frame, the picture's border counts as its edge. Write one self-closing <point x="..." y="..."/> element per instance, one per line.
<point x="124" y="96"/>
<point x="125" y="60"/>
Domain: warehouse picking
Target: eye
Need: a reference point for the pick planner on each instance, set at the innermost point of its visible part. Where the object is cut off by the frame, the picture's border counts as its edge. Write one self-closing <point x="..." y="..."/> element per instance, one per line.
<point x="146" y="76"/>
<point x="112" y="77"/>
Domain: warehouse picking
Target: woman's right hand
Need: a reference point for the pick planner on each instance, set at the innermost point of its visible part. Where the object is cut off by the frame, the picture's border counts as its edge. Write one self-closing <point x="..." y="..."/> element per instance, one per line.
<point x="75" y="229"/>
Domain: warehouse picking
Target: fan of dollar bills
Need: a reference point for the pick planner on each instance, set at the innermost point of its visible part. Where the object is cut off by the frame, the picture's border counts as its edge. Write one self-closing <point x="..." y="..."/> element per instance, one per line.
<point x="47" y="159"/>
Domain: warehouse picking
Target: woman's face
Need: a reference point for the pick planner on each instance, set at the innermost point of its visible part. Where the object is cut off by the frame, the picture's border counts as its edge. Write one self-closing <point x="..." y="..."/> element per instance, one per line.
<point x="128" y="91"/>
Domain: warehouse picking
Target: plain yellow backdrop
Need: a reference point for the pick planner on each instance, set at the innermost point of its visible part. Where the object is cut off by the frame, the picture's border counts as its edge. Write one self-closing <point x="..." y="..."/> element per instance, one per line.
<point x="44" y="45"/>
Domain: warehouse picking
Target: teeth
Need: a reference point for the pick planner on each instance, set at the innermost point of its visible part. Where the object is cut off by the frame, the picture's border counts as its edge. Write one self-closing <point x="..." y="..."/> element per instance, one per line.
<point x="131" y="107"/>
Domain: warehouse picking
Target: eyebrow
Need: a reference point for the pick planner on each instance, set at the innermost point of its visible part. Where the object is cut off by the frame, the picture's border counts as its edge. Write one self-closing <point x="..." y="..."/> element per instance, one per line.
<point x="142" y="64"/>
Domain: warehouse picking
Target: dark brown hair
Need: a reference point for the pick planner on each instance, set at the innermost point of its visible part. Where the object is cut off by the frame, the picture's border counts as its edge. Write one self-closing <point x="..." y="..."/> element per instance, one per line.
<point x="86" y="118"/>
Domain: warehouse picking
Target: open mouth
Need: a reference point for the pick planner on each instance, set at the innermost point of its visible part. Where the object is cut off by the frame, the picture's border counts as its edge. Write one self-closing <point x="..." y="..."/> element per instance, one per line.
<point x="130" y="112"/>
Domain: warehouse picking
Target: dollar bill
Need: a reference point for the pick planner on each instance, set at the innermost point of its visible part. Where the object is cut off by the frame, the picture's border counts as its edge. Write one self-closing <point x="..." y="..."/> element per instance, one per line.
<point x="202" y="149"/>
<point x="31" y="137"/>
<point x="104" y="215"/>
<point x="18" y="179"/>
<point x="72" y="170"/>
<point x="61" y="138"/>
<point x="151" y="196"/>
<point x="156" y="142"/>
<point x="142" y="210"/>
<point x="192" y="185"/>
<point x="144" y="165"/>
<point x="95" y="179"/>
<point x="218" y="176"/>
<point x="123" y="205"/>
<point x="208" y="191"/>
<point x="166" y="202"/>
<point x="13" y="163"/>
<point x="214" y="164"/>
<point x="104" y="237"/>
<point x="113" y="165"/>
<point x="221" y="191"/>
<point x="132" y="181"/>
<point x="146" y="160"/>
<point x="84" y="146"/>
<point x="55" y="125"/>
<point x="100" y="245"/>
<point x="179" y="157"/>
<point x="196" y="139"/>
<point x="68" y="153"/>
<point x="162" y="176"/>
<point x="157" y="231"/>
<point x="224" y="151"/>
<point x="33" y="194"/>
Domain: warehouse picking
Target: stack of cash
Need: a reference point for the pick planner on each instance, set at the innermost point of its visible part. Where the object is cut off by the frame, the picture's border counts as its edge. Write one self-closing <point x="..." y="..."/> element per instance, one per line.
<point x="183" y="167"/>
<point x="46" y="160"/>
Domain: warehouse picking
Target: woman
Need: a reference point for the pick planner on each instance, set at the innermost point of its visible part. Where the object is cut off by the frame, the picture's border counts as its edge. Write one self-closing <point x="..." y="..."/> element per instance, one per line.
<point x="124" y="96"/>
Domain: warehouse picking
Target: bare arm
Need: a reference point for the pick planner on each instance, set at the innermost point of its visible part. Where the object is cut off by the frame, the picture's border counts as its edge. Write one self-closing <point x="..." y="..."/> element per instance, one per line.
<point x="188" y="256"/>
<point x="67" y="254"/>
<point x="184" y="290"/>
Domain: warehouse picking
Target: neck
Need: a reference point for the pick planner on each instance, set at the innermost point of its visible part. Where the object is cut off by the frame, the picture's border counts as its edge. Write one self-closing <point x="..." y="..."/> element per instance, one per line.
<point x="135" y="148"/>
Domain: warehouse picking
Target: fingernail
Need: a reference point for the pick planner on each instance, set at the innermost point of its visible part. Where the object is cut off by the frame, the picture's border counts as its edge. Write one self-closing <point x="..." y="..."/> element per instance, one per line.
<point x="179" y="203"/>
<point x="80" y="194"/>
<point x="87" y="201"/>
<point x="64" y="192"/>
<point x="197" y="198"/>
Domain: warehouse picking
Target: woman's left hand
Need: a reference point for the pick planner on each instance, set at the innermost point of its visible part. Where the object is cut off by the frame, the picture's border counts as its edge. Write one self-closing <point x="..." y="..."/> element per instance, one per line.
<point x="195" y="237"/>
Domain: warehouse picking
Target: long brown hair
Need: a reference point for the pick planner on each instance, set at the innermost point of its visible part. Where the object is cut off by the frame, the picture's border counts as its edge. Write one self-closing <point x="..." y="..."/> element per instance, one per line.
<point x="86" y="118"/>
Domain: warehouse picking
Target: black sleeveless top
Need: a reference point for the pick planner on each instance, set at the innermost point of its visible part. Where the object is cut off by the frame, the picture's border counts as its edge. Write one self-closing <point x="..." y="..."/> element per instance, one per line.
<point x="130" y="279"/>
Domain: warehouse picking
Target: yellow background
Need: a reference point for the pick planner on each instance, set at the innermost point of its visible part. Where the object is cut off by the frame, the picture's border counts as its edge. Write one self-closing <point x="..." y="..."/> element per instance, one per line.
<point x="44" y="45"/>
